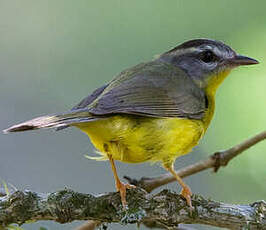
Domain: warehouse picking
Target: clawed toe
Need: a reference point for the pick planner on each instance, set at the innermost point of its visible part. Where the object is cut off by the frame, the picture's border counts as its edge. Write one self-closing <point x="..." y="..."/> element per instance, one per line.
<point x="122" y="187"/>
<point x="129" y="186"/>
<point x="186" y="193"/>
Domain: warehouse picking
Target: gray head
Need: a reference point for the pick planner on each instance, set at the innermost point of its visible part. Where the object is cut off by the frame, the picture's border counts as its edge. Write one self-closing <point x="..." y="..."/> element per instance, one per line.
<point x="204" y="58"/>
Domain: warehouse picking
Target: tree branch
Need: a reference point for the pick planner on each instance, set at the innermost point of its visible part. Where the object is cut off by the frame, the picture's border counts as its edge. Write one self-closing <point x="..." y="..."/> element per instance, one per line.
<point x="215" y="161"/>
<point x="165" y="209"/>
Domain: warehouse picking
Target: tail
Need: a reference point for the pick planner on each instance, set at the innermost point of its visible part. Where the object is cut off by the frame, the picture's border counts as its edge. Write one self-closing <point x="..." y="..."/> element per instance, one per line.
<point x="53" y="121"/>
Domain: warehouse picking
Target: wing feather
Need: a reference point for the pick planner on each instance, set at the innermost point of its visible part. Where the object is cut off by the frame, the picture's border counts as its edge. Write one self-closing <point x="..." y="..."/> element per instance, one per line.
<point x="155" y="89"/>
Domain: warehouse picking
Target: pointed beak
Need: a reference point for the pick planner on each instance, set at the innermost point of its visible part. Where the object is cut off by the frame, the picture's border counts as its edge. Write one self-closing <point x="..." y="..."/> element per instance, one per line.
<point x="242" y="60"/>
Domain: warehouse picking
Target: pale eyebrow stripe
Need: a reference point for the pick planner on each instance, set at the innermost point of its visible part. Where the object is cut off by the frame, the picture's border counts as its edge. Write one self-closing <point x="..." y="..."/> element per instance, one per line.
<point x="186" y="50"/>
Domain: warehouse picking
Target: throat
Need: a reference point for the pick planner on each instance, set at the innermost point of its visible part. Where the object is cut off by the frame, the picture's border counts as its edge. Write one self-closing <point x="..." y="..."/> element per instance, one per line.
<point x="210" y="90"/>
<point x="214" y="82"/>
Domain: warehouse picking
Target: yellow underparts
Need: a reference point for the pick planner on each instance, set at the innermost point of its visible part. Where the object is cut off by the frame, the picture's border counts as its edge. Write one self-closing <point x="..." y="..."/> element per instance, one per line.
<point x="135" y="139"/>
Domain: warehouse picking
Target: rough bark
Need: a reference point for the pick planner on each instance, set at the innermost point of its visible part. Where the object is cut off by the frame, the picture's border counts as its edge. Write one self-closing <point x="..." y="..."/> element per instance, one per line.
<point x="165" y="209"/>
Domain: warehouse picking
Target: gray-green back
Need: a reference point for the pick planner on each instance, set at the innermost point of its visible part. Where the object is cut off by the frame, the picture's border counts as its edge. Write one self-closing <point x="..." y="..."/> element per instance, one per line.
<point x="155" y="88"/>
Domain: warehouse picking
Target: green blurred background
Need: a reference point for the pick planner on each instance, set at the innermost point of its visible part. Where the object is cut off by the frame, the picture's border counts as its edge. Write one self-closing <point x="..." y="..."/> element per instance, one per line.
<point x="53" y="53"/>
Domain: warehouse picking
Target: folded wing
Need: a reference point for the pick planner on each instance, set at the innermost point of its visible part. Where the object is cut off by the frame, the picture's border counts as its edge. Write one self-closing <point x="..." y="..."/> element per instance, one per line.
<point x="154" y="89"/>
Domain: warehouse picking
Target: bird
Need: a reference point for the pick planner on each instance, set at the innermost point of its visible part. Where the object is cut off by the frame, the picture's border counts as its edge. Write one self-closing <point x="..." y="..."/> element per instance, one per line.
<point x="155" y="111"/>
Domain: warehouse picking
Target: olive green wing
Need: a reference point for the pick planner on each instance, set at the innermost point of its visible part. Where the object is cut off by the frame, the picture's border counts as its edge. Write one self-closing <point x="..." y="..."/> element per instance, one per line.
<point x="154" y="89"/>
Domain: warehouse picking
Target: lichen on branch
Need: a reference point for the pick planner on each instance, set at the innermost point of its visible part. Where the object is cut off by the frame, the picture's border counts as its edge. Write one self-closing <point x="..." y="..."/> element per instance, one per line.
<point x="165" y="209"/>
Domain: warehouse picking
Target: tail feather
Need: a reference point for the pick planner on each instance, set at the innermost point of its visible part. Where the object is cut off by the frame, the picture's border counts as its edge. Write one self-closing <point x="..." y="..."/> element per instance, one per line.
<point x="52" y="121"/>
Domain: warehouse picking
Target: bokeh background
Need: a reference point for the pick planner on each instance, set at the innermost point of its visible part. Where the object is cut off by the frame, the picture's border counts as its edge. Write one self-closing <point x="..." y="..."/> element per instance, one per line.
<point x="53" y="53"/>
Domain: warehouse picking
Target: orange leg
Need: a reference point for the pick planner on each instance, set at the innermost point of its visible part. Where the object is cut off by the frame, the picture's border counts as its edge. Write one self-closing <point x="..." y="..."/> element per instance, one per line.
<point x="186" y="192"/>
<point x="120" y="186"/>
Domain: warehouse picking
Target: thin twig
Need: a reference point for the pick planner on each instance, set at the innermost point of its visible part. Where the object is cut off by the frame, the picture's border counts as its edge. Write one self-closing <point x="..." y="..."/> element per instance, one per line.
<point x="215" y="161"/>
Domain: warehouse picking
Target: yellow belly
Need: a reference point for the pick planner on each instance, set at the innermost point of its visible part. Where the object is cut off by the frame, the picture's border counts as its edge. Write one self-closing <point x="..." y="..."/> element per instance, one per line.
<point x="135" y="139"/>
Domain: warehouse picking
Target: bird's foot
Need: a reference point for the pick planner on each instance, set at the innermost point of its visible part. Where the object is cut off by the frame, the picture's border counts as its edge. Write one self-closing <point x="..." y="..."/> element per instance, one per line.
<point x="122" y="187"/>
<point x="186" y="193"/>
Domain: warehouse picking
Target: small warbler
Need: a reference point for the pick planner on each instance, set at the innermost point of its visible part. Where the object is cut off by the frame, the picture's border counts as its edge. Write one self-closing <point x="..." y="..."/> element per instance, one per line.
<point x="152" y="112"/>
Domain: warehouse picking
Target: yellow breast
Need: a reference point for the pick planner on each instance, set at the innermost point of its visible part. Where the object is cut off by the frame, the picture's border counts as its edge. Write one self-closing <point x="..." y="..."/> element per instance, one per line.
<point x="136" y="139"/>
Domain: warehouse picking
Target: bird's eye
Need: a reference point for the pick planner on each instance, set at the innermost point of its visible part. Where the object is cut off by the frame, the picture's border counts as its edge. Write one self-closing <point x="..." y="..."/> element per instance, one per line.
<point x="207" y="56"/>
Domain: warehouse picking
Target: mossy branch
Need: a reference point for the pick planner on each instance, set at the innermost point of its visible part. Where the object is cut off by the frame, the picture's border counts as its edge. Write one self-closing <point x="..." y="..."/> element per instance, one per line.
<point x="165" y="209"/>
